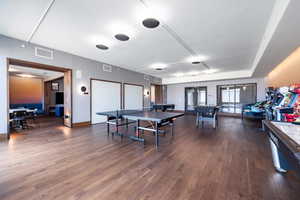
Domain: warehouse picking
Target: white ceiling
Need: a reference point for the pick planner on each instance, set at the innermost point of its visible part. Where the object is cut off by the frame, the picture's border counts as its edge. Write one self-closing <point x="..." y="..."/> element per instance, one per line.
<point x="37" y="73"/>
<point x="228" y="33"/>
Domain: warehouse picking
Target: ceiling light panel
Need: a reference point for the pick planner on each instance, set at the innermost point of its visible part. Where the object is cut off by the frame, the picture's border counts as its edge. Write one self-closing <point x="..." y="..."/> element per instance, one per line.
<point x="26" y="75"/>
<point x="210" y="71"/>
<point x="158" y="65"/>
<point x="196" y="59"/>
<point x="11" y="69"/>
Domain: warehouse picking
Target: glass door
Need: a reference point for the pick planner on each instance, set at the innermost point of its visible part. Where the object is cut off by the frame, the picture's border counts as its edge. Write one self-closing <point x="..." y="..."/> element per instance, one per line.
<point x="194" y="96"/>
<point x="232" y="97"/>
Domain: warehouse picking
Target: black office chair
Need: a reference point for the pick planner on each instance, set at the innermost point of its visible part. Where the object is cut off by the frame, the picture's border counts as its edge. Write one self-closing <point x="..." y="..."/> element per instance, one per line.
<point x="20" y="119"/>
<point x="32" y="116"/>
<point x="206" y="113"/>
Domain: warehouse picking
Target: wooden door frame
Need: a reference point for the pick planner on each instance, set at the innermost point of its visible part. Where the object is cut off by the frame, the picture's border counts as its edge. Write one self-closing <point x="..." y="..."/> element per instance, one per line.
<point x="29" y="64"/>
<point x="151" y="92"/>
<point x="133" y="84"/>
<point x="162" y="93"/>
<point x="91" y="93"/>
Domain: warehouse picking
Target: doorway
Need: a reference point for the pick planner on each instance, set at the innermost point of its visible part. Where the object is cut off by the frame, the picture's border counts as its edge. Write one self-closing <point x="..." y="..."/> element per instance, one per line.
<point x="195" y="96"/>
<point x="50" y="89"/>
<point x="231" y="98"/>
<point x="156" y="94"/>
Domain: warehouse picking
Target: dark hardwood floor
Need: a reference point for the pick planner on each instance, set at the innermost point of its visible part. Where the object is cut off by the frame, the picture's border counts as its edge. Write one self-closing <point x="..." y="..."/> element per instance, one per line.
<point x="232" y="162"/>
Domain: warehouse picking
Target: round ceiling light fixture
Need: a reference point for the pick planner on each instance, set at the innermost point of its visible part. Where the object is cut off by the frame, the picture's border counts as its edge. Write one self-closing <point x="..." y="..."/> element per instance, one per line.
<point x="102" y="47"/>
<point x="151" y="23"/>
<point x="196" y="62"/>
<point x="122" y="37"/>
<point x="159" y="69"/>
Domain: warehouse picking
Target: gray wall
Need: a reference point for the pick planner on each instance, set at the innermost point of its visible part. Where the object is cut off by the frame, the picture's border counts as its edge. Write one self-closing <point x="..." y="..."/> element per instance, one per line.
<point x="175" y="92"/>
<point x="11" y="48"/>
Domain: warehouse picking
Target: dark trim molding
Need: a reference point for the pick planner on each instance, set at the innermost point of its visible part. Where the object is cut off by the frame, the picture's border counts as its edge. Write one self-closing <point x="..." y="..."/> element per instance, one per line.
<point x="24" y="63"/>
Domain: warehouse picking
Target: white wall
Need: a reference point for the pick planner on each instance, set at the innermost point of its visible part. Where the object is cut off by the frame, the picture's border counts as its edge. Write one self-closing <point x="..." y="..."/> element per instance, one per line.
<point x="175" y="92"/>
<point x="3" y="96"/>
<point x="11" y="48"/>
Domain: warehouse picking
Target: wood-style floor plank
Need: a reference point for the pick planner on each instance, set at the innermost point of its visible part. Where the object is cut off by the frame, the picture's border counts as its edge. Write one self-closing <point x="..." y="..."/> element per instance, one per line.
<point x="231" y="162"/>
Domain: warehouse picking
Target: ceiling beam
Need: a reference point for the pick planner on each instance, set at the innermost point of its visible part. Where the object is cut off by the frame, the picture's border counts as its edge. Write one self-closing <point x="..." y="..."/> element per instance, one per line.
<point x="42" y="18"/>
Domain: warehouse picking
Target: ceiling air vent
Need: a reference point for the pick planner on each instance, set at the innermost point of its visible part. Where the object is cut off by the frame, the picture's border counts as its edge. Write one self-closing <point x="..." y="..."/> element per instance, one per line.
<point x="107" y="68"/>
<point x="44" y="53"/>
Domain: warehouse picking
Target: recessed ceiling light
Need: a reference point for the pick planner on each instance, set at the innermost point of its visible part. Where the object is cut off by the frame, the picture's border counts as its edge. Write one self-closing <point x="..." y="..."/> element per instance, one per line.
<point x="102" y="47"/>
<point x="159" y="69"/>
<point x="210" y="71"/>
<point x="196" y="62"/>
<point x="102" y="40"/>
<point x="122" y="37"/>
<point x="151" y="23"/>
<point x="119" y="28"/>
<point x="26" y="75"/>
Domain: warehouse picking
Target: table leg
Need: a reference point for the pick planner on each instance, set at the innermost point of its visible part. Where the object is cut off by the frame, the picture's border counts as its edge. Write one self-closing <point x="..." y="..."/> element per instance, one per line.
<point x="117" y="126"/>
<point x="172" y="128"/>
<point x="138" y="129"/>
<point x="107" y="129"/>
<point x="197" y="119"/>
<point x="107" y="125"/>
<point x="156" y="135"/>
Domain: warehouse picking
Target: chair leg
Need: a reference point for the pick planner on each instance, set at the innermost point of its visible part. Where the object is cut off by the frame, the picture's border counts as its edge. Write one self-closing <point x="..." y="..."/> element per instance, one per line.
<point x="24" y="124"/>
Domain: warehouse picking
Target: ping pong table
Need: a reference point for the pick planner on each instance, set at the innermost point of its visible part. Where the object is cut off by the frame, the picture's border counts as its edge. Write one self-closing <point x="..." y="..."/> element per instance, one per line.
<point x="155" y="120"/>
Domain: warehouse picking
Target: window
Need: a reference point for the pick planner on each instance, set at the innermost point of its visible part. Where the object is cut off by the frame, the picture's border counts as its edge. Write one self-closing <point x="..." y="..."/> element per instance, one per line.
<point x="232" y="97"/>
<point x="201" y="97"/>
